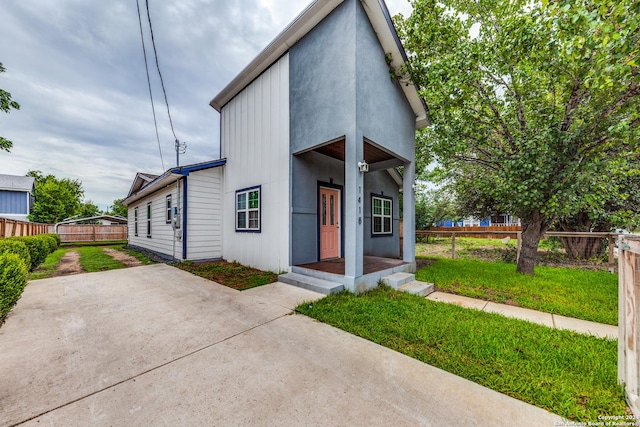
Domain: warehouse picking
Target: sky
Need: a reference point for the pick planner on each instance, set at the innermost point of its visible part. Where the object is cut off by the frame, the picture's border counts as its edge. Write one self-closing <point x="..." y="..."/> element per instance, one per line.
<point x="77" y="69"/>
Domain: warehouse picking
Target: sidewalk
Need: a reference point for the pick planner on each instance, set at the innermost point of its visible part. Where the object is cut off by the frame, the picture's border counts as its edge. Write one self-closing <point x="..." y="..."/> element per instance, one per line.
<point x="551" y="320"/>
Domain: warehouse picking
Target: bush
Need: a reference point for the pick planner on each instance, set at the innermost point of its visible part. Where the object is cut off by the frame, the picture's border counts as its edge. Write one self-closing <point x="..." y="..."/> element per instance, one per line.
<point x="38" y="249"/>
<point x="50" y="241"/>
<point x="13" y="279"/>
<point x="17" y="247"/>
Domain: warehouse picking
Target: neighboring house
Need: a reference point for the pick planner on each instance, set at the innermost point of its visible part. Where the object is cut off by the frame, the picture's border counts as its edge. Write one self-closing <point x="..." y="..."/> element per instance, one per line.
<point x="312" y="131"/>
<point x="16" y="196"/>
<point x="493" y="221"/>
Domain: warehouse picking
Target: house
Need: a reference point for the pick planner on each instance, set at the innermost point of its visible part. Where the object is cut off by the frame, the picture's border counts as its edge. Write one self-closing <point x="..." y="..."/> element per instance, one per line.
<point x="492" y="221"/>
<point x="313" y="131"/>
<point x="16" y="196"/>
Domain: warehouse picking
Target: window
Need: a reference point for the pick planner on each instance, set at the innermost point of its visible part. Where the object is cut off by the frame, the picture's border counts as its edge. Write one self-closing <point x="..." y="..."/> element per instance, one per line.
<point x="248" y="210"/>
<point x="382" y="211"/>
<point x="169" y="209"/>
<point x="135" y="221"/>
<point x="149" y="219"/>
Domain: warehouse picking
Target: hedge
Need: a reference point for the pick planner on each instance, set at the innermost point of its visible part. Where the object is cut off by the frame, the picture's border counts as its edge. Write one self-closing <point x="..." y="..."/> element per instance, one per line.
<point x="38" y="246"/>
<point x="13" y="279"/>
<point x="17" y="247"/>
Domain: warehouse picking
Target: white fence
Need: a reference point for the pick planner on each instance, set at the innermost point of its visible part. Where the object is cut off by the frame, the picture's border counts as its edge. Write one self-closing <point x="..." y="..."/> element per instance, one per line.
<point x="629" y="319"/>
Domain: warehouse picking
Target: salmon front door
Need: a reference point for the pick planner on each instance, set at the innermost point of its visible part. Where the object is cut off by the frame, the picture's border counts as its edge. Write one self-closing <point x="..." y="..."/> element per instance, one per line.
<point x="329" y="223"/>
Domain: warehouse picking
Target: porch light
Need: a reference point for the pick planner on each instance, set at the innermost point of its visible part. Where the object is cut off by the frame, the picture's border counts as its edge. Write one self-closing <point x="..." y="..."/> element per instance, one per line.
<point x="363" y="166"/>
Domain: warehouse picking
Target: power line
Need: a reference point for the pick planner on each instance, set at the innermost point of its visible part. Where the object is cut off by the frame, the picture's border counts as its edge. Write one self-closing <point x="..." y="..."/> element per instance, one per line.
<point x="155" y="52"/>
<point x="146" y="66"/>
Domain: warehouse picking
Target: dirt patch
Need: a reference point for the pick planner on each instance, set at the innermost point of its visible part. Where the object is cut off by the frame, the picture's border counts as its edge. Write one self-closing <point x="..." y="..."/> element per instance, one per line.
<point x="126" y="259"/>
<point x="421" y="263"/>
<point x="69" y="264"/>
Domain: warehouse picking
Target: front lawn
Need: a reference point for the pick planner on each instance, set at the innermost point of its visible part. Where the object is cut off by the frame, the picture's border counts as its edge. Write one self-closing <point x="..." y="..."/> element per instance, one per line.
<point x="230" y="274"/>
<point x="572" y="375"/>
<point x="583" y="294"/>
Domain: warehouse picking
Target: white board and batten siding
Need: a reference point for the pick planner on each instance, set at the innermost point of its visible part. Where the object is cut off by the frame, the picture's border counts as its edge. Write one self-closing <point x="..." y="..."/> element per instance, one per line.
<point x="255" y="142"/>
<point x="161" y="240"/>
<point x="204" y="216"/>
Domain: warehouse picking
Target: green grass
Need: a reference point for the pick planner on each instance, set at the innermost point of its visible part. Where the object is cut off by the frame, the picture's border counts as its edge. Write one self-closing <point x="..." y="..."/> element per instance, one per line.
<point x="49" y="266"/>
<point x="231" y="274"/>
<point x="588" y="295"/>
<point x="572" y="375"/>
<point x="93" y="259"/>
<point x="143" y="258"/>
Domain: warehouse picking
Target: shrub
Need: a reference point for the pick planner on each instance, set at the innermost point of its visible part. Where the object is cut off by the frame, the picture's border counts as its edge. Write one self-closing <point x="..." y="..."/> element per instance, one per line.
<point x="13" y="279"/>
<point x="17" y="247"/>
<point x="51" y="242"/>
<point x="57" y="238"/>
<point x="38" y="249"/>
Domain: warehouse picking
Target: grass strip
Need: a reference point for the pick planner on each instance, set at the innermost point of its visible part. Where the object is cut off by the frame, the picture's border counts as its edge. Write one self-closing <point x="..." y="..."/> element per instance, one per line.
<point x="583" y="294"/>
<point x="93" y="259"/>
<point x="572" y="375"/>
<point x="143" y="258"/>
<point x="50" y="265"/>
<point x="230" y="274"/>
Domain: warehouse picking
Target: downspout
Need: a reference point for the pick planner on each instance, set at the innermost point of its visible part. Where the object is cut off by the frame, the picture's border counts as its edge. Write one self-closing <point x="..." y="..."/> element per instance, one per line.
<point x="184" y="219"/>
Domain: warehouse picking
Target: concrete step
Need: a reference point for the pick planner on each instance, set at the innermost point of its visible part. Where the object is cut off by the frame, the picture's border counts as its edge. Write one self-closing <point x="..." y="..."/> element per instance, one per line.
<point x="311" y="283"/>
<point x="396" y="280"/>
<point x="417" y="288"/>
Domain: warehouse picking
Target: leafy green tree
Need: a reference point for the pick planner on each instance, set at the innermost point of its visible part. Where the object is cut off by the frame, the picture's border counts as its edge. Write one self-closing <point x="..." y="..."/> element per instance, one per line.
<point x="55" y="199"/>
<point x="117" y="208"/>
<point x="6" y="104"/>
<point x="433" y="206"/>
<point x="87" y="210"/>
<point x="534" y="106"/>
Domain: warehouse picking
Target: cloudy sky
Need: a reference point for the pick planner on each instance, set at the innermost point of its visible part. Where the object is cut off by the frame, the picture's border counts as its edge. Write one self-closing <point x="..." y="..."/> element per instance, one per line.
<point x="77" y="69"/>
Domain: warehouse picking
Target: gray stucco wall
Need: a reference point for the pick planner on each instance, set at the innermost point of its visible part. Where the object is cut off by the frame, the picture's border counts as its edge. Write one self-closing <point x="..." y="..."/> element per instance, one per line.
<point x="340" y="87"/>
<point x="383" y="113"/>
<point x="381" y="183"/>
<point x="322" y="70"/>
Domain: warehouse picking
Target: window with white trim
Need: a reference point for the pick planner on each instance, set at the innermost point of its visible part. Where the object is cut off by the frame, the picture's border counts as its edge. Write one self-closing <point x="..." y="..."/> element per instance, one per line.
<point x="169" y="209"/>
<point x="248" y="205"/>
<point x="135" y="221"/>
<point x="149" y="219"/>
<point x="381" y="215"/>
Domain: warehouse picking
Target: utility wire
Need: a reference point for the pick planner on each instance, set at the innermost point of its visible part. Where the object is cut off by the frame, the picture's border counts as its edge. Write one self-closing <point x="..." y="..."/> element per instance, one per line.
<point x="146" y="66"/>
<point x="155" y="52"/>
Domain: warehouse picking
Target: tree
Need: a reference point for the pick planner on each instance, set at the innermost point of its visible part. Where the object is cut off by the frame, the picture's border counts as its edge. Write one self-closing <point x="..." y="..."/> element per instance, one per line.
<point x="534" y="106"/>
<point x="6" y="104"/>
<point x="55" y="199"/>
<point x="87" y="210"/>
<point x="117" y="208"/>
<point x="433" y="206"/>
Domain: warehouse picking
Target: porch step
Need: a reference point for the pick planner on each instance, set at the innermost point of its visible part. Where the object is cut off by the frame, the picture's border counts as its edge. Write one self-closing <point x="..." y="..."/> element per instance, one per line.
<point x="311" y="283"/>
<point x="396" y="280"/>
<point x="417" y="288"/>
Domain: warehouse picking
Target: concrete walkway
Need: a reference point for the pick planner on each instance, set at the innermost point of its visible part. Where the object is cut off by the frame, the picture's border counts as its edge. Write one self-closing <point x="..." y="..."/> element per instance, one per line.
<point x="546" y="319"/>
<point x="154" y="345"/>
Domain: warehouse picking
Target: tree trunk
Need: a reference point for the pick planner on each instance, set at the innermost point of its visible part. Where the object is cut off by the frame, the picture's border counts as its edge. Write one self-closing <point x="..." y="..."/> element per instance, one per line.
<point x="583" y="247"/>
<point x="532" y="230"/>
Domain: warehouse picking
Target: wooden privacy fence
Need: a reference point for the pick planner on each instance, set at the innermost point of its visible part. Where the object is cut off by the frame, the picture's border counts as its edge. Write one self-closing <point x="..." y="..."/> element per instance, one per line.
<point x="501" y="233"/>
<point x="14" y="228"/>
<point x="629" y="319"/>
<point x="70" y="233"/>
<point x="460" y="231"/>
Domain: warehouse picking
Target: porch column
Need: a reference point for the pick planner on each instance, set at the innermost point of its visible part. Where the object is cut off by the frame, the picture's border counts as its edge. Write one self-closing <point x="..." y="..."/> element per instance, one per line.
<point x="354" y="207"/>
<point x="409" y="219"/>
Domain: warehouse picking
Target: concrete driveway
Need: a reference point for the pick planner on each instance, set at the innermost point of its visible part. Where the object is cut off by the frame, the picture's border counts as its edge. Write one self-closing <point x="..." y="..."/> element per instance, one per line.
<point x="155" y="345"/>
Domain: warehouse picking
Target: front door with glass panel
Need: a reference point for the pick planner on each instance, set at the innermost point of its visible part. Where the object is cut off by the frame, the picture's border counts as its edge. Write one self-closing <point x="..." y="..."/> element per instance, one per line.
<point x="329" y="223"/>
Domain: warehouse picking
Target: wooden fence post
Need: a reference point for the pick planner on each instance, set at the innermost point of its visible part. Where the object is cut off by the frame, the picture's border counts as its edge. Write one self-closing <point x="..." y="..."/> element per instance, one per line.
<point x="629" y="319"/>
<point x="611" y="264"/>
<point x="453" y="245"/>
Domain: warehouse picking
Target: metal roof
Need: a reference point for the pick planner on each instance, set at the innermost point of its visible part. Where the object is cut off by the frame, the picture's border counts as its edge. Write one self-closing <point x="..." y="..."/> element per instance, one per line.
<point x="17" y="183"/>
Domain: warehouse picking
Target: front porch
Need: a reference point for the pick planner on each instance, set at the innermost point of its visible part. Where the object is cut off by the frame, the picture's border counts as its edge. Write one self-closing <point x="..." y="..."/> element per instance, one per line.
<point x="329" y="277"/>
